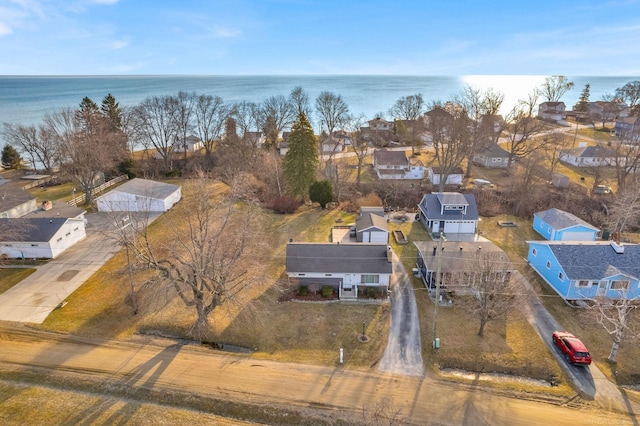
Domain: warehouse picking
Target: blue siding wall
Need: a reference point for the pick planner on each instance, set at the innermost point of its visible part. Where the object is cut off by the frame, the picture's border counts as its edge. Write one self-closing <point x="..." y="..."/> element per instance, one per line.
<point x="552" y="274"/>
<point x="541" y="227"/>
<point x="578" y="228"/>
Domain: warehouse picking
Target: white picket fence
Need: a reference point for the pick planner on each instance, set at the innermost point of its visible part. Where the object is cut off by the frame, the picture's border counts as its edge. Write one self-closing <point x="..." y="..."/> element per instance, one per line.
<point x="81" y="198"/>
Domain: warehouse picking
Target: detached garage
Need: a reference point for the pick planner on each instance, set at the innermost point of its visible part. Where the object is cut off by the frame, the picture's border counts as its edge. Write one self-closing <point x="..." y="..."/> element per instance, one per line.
<point x="140" y="195"/>
<point x="371" y="228"/>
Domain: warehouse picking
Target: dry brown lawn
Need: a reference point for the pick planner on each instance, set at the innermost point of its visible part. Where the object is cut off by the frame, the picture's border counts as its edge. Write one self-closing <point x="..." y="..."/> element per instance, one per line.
<point x="12" y="276"/>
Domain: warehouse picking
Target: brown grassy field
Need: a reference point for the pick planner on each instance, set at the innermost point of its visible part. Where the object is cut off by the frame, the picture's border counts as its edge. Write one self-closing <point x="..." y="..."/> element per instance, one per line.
<point x="11" y="276"/>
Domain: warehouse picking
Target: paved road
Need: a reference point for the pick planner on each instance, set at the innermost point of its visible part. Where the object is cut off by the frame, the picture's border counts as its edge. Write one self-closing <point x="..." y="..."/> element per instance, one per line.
<point x="333" y="393"/>
<point x="403" y="354"/>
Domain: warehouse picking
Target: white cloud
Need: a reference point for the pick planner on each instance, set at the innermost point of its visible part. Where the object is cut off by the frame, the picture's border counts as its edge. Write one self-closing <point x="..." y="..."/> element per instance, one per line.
<point x="118" y="44"/>
<point x="219" y="31"/>
<point x="4" y="29"/>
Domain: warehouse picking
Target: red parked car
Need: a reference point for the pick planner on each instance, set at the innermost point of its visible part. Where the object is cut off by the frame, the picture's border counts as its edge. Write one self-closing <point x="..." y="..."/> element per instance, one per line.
<point x="573" y="349"/>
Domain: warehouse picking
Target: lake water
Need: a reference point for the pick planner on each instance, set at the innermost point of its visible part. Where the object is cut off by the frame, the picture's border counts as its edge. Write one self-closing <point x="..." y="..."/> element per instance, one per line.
<point x="26" y="99"/>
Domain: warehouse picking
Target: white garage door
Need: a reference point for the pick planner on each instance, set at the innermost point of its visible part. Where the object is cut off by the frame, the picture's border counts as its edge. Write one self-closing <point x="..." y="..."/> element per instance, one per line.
<point x="577" y="236"/>
<point x="459" y="228"/>
<point x="379" y="237"/>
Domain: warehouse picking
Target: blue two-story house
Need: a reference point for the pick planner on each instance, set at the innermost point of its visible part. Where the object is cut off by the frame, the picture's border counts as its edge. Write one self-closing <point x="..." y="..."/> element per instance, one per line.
<point x="558" y="225"/>
<point x="584" y="270"/>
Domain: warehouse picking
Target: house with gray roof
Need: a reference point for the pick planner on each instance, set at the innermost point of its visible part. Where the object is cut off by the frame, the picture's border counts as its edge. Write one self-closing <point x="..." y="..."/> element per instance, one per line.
<point x="40" y="237"/>
<point x="350" y="269"/>
<point x="449" y="212"/>
<point x="395" y="165"/>
<point x="587" y="269"/>
<point x="460" y="262"/>
<point x="372" y="228"/>
<point x="491" y="156"/>
<point x="588" y="156"/>
<point x="628" y="129"/>
<point x="558" y="225"/>
<point x="552" y="111"/>
<point x="15" y="202"/>
<point x="140" y="195"/>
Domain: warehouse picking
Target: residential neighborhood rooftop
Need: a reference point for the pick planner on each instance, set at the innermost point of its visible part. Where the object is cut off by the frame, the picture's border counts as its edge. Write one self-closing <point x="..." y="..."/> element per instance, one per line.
<point x="560" y="219"/>
<point x="338" y="257"/>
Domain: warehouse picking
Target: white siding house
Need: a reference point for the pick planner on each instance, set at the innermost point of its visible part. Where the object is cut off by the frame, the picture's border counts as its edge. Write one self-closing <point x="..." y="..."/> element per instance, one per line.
<point x="42" y="237"/>
<point x="140" y="195"/>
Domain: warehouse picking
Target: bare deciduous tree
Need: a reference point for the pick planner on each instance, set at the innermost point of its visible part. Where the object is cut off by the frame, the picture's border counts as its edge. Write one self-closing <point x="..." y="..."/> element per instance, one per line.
<point x="449" y="127"/>
<point x="493" y="288"/>
<point x="280" y="110"/>
<point x="332" y="111"/>
<point x="555" y="86"/>
<point x="383" y="413"/>
<point x="158" y="116"/>
<point x="210" y="115"/>
<point x="207" y="262"/>
<point x="185" y="103"/>
<point x="38" y="143"/>
<point x="522" y="129"/>
<point x="625" y="210"/>
<point x="479" y="104"/>
<point x="619" y="317"/>
<point x="630" y="93"/>
<point x="300" y="101"/>
<point x="408" y="107"/>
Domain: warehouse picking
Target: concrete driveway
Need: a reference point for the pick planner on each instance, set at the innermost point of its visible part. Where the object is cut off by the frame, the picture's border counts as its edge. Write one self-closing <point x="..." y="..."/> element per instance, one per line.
<point x="403" y="354"/>
<point x="33" y="299"/>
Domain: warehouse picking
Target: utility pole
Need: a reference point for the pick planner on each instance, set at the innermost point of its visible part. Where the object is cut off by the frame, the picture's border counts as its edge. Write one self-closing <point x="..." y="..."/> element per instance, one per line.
<point x="436" y="341"/>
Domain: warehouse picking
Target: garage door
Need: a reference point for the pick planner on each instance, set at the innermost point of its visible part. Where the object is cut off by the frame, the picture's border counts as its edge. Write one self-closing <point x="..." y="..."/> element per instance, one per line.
<point x="379" y="237"/>
<point x="577" y="236"/>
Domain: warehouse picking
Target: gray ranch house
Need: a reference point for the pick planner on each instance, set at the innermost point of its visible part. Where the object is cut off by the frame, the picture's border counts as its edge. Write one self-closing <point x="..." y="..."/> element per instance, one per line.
<point x="588" y="156"/>
<point x="350" y="269"/>
<point x="492" y="156"/>
<point x="372" y="228"/>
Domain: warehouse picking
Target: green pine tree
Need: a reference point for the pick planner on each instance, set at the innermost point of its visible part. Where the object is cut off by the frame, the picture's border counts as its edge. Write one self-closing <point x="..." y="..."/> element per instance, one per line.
<point x="11" y="157"/>
<point x="301" y="160"/>
<point x="582" y="106"/>
<point x="111" y="110"/>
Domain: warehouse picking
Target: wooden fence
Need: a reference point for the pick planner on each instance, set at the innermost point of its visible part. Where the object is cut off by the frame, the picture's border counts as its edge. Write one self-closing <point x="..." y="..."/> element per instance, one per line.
<point x="81" y="198"/>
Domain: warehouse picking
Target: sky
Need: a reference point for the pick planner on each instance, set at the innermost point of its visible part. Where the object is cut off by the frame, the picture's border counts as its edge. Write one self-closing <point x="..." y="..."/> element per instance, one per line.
<point x="319" y="37"/>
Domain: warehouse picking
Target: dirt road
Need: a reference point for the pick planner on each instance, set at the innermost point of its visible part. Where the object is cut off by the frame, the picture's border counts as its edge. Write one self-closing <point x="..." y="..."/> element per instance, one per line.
<point x="329" y="392"/>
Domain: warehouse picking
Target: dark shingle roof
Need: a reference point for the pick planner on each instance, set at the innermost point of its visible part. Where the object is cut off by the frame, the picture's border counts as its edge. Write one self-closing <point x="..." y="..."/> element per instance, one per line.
<point x="369" y="258"/>
<point x="430" y="204"/>
<point x="370" y="220"/>
<point x="390" y="158"/>
<point x="35" y="229"/>
<point x="595" y="260"/>
<point x="560" y="219"/>
<point x="494" y="150"/>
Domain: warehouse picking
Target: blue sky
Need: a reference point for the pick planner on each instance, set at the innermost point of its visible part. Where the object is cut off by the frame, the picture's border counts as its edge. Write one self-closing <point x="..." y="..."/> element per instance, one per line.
<point x="249" y="37"/>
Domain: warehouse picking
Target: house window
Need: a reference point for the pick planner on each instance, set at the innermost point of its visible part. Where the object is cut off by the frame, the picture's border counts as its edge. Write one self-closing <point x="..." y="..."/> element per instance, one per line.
<point x="301" y="275"/>
<point x="583" y="283"/>
<point x="619" y="285"/>
<point x="561" y="276"/>
<point x="34" y="245"/>
<point x="534" y="252"/>
<point x="328" y="275"/>
<point x="541" y="224"/>
<point x="548" y="265"/>
<point x="370" y="279"/>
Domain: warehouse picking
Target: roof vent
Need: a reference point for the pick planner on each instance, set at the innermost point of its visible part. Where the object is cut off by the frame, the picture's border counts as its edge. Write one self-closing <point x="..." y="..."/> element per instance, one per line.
<point x="617" y="247"/>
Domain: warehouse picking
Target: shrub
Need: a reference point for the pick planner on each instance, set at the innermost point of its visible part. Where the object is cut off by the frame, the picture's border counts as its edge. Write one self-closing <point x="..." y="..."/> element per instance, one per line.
<point x="321" y="192"/>
<point x="327" y="291"/>
<point x="284" y="204"/>
<point x="371" y="293"/>
<point x="303" y="290"/>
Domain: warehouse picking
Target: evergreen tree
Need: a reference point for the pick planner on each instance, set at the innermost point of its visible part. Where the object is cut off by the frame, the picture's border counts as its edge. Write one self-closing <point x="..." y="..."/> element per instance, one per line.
<point x="88" y="114"/>
<point x="10" y="157"/>
<point x="581" y="106"/>
<point x="301" y="160"/>
<point x="321" y="192"/>
<point x="111" y="110"/>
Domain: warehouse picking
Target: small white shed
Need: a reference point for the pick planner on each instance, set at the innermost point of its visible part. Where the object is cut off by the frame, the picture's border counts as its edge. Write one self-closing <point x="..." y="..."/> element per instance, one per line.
<point x="140" y="195"/>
